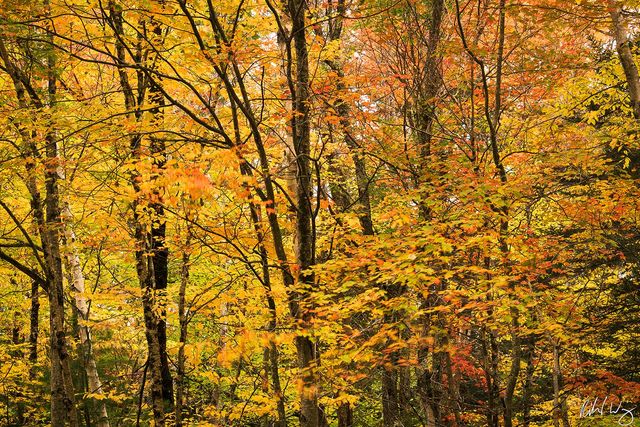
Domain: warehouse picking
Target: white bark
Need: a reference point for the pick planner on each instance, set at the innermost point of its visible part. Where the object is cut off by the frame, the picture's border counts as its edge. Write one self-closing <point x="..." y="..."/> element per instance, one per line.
<point x="623" y="46"/>
<point x="78" y="289"/>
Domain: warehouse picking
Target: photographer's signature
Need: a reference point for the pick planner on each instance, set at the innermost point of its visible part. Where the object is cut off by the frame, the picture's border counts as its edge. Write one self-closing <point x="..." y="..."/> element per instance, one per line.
<point x="591" y="408"/>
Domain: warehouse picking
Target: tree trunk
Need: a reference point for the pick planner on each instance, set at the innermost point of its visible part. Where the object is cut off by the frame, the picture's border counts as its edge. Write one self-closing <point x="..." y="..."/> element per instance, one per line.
<point x="490" y="366"/>
<point x="390" y="405"/>
<point x="62" y="394"/>
<point x="528" y="384"/>
<point x="453" y="391"/>
<point x="82" y="305"/>
<point x="151" y="253"/>
<point x="560" y="412"/>
<point x="63" y="407"/>
<point x="339" y="193"/>
<point x="34" y="316"/>
<point x="512" y="378"/>
<point x="310" y="413"/>
<point x="183" y="320"/>
<point x="160" y="258"/>
<point x="272" y="350"/>
<point x="431" y="388"/>
<point x="623" y="47"/>
<point x="345" y="415"/>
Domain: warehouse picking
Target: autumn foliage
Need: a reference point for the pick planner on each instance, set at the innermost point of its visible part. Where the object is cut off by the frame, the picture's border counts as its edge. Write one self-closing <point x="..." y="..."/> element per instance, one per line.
<point x="318" y="213"/>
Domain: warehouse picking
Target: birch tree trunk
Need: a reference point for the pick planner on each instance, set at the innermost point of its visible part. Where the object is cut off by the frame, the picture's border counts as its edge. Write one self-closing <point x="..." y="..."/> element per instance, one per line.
<point x="623" y="47"/>
<point x="82" y="305"/>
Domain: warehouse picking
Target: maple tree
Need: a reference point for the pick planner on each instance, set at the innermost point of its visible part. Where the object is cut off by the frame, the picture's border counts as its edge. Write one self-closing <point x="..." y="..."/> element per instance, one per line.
<point x="318" y="213"/>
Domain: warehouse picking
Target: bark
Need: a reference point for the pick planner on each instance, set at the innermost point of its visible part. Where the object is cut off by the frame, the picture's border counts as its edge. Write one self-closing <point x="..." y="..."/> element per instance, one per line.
<point x="432" y="390"/>
<point x="272" y="350"/>
<point x="512" y="381"/>
<point x="492" y="384"/>
<point x="184" y="323"/>
<point x="345" y="415"/>
<point x="47" y="217"/>
<point x="160" y="252"/>
<point x="428" y="88"/>
<point x="453" y="392"/>
<point x="623" y="47"/>
<point x="556" y="388"/>
<point x="150" y="299"/>
<point x="151" y="253"/>
<point x="494" y="409"/>
<point x="82" y="305"/>
<point x="560" y="413"/>
<point x="311" y="414"/>
<point x="528" y="385"/>
<point x="428" y="394"/>
<point x="63" y="406"/>
<point x="390" y="404"/>
<point x="490" y="366"/>
<point x="34" y="315"/>
<point x="339" y="193"/>
<point x="504" y="225"/>
<point x="15" y="330"/>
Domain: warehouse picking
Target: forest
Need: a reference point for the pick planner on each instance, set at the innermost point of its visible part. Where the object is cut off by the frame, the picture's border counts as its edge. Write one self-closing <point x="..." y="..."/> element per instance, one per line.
<point x="319" y="213"/>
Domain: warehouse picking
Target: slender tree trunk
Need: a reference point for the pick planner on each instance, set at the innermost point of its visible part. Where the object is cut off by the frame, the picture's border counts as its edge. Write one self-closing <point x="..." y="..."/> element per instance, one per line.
<point x="453" y="392"/>
<point x="151" y="253"/>
<point x="528" y="384"/>
<point x="345" y="415"/>
<point x="47" y="218"/>
<point x="15" y="330"/>
<point x="432" y="389"/>
<point x="492" y="116"/>
<point x="160" y="258"/>
<point x="62" y="395"/>
<point x="425" y="109"/>
<point x="623" y="47"/>
<point x="156" y="255"/>
<point x="310" y="413"/>
<point x="149" y="299"/>
<point x="272" y="351"/>
<point x="339" y="193"/>
<point x="490" y="368"/>
<point x="63" y="406"/>
<point x="560" y="413"/>
<point x="184" y="323"/>
<point x="82" y="305"/>
<point x="34" y="323"/>
<point x="390" y="404"/>
<point x="514" y="372"/>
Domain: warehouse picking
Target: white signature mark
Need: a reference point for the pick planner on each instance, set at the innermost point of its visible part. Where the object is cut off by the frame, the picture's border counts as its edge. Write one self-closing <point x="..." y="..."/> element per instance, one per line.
<point x="589" y="410"/>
